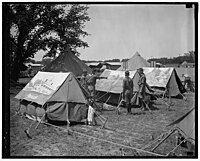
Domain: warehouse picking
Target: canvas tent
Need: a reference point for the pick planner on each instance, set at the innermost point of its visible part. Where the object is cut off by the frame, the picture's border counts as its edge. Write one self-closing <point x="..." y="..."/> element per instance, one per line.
<point x="112" y="86"/>
<point x="164" y="79"/>
<point x="56" y="95"/>
<point x="135" y="62"/>
<point x="186" y="125"/>
<point x="67" y="62"/>
<point x="189" y="71"/>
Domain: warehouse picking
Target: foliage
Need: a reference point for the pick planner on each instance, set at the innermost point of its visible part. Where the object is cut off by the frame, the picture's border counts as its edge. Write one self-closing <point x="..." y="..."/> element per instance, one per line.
<point x="124" y="60"/>
<point x="48" y="27"/>
<point x="189" y="57"/>
<point x="112" y="60"/>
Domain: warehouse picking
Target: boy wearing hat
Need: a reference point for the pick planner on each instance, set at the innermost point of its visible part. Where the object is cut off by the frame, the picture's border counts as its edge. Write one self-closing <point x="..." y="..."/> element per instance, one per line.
<point x="142" y="85"/>
<point x="83" y="80"/>
<point x="92" y="82"/>
<point x="128" y="91"/>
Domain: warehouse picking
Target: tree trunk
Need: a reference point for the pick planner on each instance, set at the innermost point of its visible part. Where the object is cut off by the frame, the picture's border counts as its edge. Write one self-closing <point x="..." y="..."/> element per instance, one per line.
<point x="19" y="58"/>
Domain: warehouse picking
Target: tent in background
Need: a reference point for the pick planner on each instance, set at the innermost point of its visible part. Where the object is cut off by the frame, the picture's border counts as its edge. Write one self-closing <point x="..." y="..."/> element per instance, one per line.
<point x="189" y="71"/>
<point x="135" y="62"/>
<point x="164" y="79"/>
<point x="112" y="86"/>
<point x="67" y="62"/>
<point x="56" y="95"/>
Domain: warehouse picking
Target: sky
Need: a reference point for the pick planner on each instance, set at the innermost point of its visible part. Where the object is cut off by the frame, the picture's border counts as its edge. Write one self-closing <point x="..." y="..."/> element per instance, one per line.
<point x="118" y="31"/>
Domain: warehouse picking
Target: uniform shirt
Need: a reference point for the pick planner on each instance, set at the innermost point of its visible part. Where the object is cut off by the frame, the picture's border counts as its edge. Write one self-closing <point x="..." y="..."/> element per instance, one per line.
<point x="92" y="80"/>
<point x="83" y="80"/>
<point x="142" y="83"/>
<point x="127" y="84"/>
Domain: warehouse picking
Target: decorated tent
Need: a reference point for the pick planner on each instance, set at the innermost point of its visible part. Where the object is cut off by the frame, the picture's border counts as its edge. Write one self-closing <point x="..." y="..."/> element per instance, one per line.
<point x="164" y="79"/>
<point x="67" y="62"/>
<point x="135" y="62"/>
<point x="58" y="96"/>
<point x="112" y="86"/>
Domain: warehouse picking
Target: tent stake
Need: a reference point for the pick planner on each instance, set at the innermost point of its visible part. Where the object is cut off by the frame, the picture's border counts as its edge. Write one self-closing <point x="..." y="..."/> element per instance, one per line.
<point x="163" y="139"/>
<point x="40" y="121"/>
<point x="176" y="147"/>
<point x="117" y="109"/>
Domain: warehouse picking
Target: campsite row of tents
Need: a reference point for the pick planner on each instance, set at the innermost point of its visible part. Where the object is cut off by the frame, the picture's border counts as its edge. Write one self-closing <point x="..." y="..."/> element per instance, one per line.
<point x="56" y="93"/>
<point x="162" y="80"/>
<point x="68" y="62"/>
<point x="57" y="78"/>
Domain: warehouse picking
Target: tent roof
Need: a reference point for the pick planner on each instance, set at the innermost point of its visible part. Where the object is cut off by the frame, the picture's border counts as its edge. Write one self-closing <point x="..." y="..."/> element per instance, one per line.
<point x="158" y="77"/>
<point x="135" y="62"/>
<point x="67" y="62"/>
<point x="165" y="78"/>
<point x="52" y="87"/>
<point x="114" y="81"/>
<point x="186" y="125"/>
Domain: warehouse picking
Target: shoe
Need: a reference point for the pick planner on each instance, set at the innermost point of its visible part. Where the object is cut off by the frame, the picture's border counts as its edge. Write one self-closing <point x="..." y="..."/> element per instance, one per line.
<point x="89" y="123"/>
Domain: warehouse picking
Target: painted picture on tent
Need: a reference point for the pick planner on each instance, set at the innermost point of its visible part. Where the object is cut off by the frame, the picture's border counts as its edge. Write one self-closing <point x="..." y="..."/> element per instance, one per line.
<point x="42" y="86"/>
<point x="45" y="83"/>
<point x="158" y="76"/>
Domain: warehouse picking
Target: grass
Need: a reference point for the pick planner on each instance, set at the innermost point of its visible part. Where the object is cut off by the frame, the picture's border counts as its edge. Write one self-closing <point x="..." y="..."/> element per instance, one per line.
<point x="136" y="130"/>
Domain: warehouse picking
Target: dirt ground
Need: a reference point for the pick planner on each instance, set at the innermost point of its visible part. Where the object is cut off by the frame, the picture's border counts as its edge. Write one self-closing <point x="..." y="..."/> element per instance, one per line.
<point x="136" y="130"/>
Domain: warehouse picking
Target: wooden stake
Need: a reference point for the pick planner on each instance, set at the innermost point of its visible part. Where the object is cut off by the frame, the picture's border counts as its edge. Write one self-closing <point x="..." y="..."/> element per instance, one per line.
<point x="163" y="139"/>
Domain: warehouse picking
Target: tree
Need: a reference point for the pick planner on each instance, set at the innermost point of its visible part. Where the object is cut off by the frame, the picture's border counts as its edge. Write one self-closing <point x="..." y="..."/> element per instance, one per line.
<point x="48" y="27"/>
<point x="189" y="57"/>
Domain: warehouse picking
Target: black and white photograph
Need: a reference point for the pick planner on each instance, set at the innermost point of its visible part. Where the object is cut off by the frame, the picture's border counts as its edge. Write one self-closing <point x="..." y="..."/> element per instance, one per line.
<point x="99" y="80"/>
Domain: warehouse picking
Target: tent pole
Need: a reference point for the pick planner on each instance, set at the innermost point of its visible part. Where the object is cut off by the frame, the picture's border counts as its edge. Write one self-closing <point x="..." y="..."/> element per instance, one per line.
<point x="176" y="147"/>
<point x="147" y="106"/>
<point x="163" y="139"/>
<point x="183" y="96"/>
<point x="40" y="121"/>
<point x="157" y="139"/>
<point x="169" y="100"/>
<point x="108" y="99"/>
<point x="103" y="95"/>
<point x="100" y="115"/>
<point x="117" y="109"/>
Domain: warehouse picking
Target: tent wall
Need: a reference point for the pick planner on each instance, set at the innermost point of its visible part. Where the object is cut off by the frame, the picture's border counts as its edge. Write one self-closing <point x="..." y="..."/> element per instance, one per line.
<point x="188" y="71"/>
<point x="56" y="111"/>
<point x="172" y="86"/>
<point x="62" y="111"/>
<point x="110" y="98"/>
<point x="31" y="108"/>
<point x="70" y="91"/>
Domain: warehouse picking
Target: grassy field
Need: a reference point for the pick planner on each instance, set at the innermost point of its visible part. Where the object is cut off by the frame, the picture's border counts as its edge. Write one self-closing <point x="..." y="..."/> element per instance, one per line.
<point x="136" y="130"/>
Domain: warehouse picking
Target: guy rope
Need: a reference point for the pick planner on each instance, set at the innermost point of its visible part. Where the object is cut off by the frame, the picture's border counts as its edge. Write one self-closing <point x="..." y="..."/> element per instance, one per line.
<point x="93" y="137"/>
